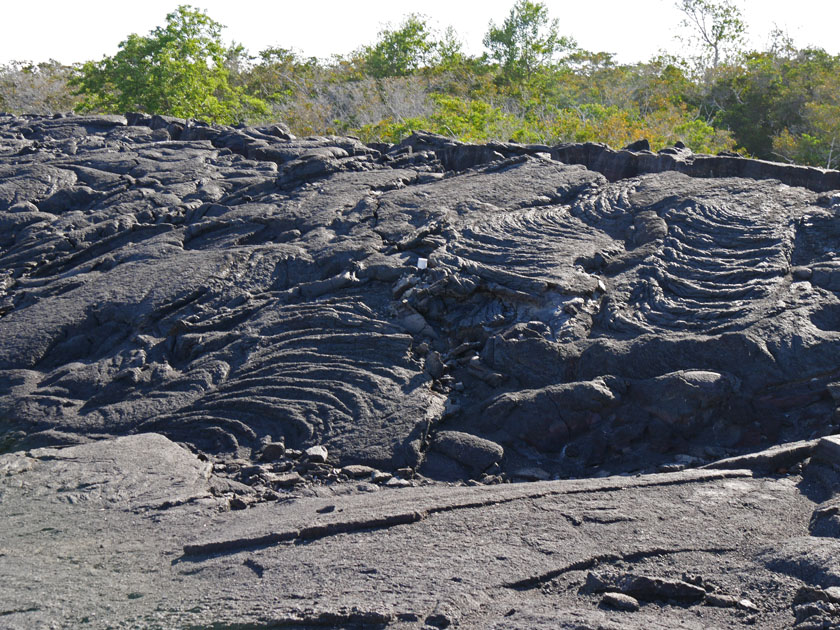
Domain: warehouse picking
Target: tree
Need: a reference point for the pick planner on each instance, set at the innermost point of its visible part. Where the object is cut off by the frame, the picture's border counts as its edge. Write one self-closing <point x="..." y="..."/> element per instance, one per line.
<point x="279" y="74"/>
<point x="526" y="40"/>
<point x="819" y="143"/>
<point x="660" y="84"/>
<point x="414" y="45"/>
<point x="809" y="111"/>
<point x="748" y="101"/>
<point x="400" y="52"/>
<point x="782" y="105"/>
<point x="717" y="26"/>
<point x="178" y="69"/>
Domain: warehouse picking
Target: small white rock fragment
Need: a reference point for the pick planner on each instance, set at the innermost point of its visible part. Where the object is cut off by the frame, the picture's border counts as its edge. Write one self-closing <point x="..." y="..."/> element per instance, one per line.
<point x="422" y="263"/>
<point x="317" y="454"/>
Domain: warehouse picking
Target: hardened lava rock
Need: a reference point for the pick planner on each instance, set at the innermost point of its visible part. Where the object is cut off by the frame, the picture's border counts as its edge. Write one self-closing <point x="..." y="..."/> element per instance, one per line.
<point x="572" y="308"/>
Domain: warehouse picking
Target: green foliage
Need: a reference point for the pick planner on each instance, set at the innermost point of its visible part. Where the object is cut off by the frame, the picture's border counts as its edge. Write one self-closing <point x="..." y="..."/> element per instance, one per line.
<point x="701" y="137"/>
<point x="178" y="69"/>
<point x="449" y="51"/>
<point x="400" y="52"/>
<point x="467" y="120"/>
<point x="818" y="143"/>
<point x="403" y="51"/>
<point x="526" y="41"/>
<point x="278" y="76"/>
<point x="783" y="104"/>
<point x="532" y="85"/>
<point x="478" y="121"/>
<point x="661" y="84"/>
<point x="748" y="98"/>
<point x="617" y="126"/>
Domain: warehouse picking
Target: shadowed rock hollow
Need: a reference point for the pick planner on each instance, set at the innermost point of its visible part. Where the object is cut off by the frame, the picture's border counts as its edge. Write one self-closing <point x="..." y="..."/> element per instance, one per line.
<point x="232" y="287"/>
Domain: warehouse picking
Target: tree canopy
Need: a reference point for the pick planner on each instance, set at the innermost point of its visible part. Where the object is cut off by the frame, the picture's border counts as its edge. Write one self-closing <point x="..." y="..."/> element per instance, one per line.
<point x="527" y="40"/>
<point x="177" y="69"/>
<point x="401" y="51"/>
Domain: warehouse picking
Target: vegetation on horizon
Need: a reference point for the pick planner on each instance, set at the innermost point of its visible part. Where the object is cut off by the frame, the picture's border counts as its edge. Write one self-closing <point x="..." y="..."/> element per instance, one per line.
<point x="532" y="85"/>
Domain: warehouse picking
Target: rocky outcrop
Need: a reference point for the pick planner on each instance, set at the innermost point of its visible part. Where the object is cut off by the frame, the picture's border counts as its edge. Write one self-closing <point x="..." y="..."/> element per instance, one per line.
<point x="236" y="367"/>
<point x="574" y="306"/>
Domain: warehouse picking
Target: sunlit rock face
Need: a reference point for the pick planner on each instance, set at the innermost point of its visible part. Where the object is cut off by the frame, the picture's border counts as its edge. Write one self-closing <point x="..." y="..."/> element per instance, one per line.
<point x="572" y="306"/>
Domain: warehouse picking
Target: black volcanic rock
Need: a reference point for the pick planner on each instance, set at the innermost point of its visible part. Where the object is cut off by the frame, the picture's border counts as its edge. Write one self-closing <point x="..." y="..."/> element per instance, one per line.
<point x="574" y="304"/>
<point x="235" y="366"/>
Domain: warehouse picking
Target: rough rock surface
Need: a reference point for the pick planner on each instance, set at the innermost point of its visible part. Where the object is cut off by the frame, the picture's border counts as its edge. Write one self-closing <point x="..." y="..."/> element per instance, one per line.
<point x="333" y="329"/>
<point x="225" y="287"/>
<point x="95" y="536"/>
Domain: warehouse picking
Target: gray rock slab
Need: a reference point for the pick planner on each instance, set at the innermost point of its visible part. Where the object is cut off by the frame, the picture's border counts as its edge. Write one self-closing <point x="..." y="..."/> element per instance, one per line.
<point x="142" y="471"/>
<point x="772" y="460"/>
<point x="484" y="556"/>
<point x="827" y="451"/>
<point x="814" y="560"/>
<point x="620" y="601"/>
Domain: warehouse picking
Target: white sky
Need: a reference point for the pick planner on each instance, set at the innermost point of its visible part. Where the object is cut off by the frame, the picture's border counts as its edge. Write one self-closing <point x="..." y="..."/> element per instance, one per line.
<point x="635" y="30"/>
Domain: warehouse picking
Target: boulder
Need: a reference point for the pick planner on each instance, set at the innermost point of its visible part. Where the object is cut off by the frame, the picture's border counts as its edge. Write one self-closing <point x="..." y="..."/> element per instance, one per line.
<point x="475" y="453"/>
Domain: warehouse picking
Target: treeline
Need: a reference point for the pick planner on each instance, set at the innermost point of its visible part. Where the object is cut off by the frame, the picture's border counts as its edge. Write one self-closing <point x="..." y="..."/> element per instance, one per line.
<point x="533" y="84"/>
